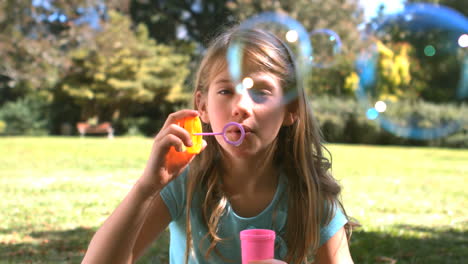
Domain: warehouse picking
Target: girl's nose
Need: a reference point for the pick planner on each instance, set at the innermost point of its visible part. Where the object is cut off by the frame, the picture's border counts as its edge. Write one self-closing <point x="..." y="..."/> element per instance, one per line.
<point x="242" y="106"/>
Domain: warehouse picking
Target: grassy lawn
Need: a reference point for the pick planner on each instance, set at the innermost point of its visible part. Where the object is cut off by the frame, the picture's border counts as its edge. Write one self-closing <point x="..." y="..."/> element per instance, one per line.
<point x="411" y="202"/>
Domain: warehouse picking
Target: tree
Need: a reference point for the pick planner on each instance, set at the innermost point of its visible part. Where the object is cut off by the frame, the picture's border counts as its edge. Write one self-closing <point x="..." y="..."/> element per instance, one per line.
<point x="34" y="39"/>
<point x="194" y="20"/>
<point x="123" y="67"/>
<point x="459" y="5"/>
<point x="187" y="25"/>
<point x="393" y="73"/>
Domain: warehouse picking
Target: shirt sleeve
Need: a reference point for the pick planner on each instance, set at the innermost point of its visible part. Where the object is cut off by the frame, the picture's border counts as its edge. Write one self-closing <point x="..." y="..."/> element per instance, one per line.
<point x="336" y="223"/>
<point x="174" y="195"/>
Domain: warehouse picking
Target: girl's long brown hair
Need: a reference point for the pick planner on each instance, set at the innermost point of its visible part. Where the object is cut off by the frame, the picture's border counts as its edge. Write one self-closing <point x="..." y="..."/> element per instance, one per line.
<point x="297" y="149"/>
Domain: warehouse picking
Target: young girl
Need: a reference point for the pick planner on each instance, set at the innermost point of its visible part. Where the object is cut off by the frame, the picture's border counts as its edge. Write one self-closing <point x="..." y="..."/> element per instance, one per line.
<point x="276" y="179"/>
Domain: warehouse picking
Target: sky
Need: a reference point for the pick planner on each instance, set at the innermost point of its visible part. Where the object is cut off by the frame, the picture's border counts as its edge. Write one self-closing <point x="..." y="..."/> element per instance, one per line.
<point x="371" y="6"/>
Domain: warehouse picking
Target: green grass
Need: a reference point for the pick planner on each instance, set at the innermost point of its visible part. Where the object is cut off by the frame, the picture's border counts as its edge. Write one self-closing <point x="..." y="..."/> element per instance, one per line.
<point x="57" y="191"/>
<point x="411" y="202"/>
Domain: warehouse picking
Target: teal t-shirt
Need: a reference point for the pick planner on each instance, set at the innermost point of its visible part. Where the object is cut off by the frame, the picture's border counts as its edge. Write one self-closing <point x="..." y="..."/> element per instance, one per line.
<point x="273" y="217"/>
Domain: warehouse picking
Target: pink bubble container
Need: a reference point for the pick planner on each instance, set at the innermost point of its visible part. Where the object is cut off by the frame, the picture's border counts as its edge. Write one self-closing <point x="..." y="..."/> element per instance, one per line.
<point x="257" y="244"/>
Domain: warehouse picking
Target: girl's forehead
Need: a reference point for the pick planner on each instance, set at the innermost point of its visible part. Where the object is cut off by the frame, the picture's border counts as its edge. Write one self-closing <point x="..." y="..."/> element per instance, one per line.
<point x="256" y="77"/>
<point x="218" y="67"/>
<point x="219" y="71"/>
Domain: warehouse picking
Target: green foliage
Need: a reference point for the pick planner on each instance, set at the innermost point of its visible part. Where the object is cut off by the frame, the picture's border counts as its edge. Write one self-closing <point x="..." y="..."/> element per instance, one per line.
<point x="123" y="67"/>
<point x="34" y="50"/>
<point x="135" y="126"/>
<point x="26" y="116"/>
<point x="395" y="73"/>
<point x="200" y="19"/>
<point x="2" y="126"/>
<point x="345" y="121"/>
<point x="147" y="118"/>
<point x="393" y="69"/>
<point x="459" y="5"/>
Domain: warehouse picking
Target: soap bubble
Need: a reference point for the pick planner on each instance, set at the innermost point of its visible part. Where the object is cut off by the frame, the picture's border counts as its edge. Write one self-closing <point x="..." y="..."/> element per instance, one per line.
<point x="289" y="35"/>
<point x="327" y="45"/>
<point x="413" y="72"/>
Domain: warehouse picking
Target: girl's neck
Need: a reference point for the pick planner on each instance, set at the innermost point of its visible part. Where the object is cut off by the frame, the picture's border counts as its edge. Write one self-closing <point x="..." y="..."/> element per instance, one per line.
<point x="249" y="175"/>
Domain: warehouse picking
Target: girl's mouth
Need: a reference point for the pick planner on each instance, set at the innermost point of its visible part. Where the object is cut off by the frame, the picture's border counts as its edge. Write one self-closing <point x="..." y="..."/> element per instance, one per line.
<point x="234" y="133"/>
<point x="236" y="130"/>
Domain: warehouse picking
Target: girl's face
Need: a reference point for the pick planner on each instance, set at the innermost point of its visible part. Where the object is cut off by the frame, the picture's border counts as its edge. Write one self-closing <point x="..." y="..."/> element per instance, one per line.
<point x="259" y="110"/>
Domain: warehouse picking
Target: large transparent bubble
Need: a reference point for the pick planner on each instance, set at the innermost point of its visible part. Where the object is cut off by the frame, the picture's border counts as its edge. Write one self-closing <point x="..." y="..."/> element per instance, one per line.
<point x="251" y="74"/>
<point x="413" y="72"/>
<point x="327" y="46"/>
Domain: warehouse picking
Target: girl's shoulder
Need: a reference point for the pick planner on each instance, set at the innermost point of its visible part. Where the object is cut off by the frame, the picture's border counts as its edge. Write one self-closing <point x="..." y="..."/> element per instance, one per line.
<point x="174" y="194"/>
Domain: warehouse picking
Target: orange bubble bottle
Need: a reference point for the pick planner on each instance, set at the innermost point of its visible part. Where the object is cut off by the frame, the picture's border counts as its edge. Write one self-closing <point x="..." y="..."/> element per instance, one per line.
<point x="193" y="126"/>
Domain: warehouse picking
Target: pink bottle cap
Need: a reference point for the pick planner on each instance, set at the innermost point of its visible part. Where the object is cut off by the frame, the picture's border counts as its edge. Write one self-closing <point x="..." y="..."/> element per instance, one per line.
<point x="257" y="244"/>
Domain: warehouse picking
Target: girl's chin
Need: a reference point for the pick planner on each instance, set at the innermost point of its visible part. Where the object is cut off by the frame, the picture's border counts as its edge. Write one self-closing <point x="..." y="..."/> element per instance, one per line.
<point x="241" y="151"/>
<point x="244" y="151"/>
<point x="249" y="148"/>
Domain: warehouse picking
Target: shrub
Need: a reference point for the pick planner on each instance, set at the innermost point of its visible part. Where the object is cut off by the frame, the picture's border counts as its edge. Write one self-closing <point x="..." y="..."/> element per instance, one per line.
<point x="25" y="116"/>
<point x="2" y="126"/>
<point x="343" y="120"/>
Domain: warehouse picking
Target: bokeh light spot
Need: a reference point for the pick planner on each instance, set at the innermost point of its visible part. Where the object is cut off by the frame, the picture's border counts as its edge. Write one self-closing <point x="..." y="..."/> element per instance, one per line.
<point x="292" y="36"/>
<point x="247" y="82"/>
<point x="380" y="106"/>
<point x="372" y="114"/>
<point x="240" y="89"/>
<point x="429" y="51"/>
<point x="463" y="41"/>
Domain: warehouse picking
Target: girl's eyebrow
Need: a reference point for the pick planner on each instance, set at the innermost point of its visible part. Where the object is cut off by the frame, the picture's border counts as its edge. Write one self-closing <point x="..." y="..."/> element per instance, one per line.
<point x="223" y="81"/>
<point x="257" y="78"/>
<point x="264" y="80"/>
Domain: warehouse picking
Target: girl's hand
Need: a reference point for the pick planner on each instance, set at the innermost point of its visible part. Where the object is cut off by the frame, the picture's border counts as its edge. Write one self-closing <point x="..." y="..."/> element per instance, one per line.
<point x="267" y="261"/>
<point x="168" y="159"/>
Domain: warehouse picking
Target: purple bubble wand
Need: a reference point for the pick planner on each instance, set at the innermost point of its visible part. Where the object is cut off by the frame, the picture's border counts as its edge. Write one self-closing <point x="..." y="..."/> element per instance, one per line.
<point x="234" y="143"/>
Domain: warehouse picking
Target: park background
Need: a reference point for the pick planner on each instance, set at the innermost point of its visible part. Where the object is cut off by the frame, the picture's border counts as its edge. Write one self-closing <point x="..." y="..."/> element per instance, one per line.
<point x="131" y="63"/>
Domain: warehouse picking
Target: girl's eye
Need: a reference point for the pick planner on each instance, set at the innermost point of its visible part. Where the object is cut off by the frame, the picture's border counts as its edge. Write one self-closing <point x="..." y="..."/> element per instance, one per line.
<point x="224" y="92"/>
<point x="261" y="92"/>
<point x="259" y="95"/>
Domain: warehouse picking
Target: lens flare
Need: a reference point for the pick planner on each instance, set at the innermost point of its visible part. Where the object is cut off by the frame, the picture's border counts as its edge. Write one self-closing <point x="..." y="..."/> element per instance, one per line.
<point x="292" y="36"/>
<point x="247" y="82"/>
<point x="463" y="41"/>
<point x="380" y="106"/>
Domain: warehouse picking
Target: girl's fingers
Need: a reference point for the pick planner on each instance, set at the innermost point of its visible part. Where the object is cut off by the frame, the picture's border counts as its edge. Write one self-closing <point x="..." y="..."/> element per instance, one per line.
<point x="172" y="140"/>
<point x="179" y="115"/>
<point x="177" y="131"/>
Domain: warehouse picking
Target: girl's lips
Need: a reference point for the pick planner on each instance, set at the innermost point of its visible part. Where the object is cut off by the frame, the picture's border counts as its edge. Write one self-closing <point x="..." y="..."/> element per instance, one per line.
<point x="235" y="129"/>
<point x="247" y="129"/>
